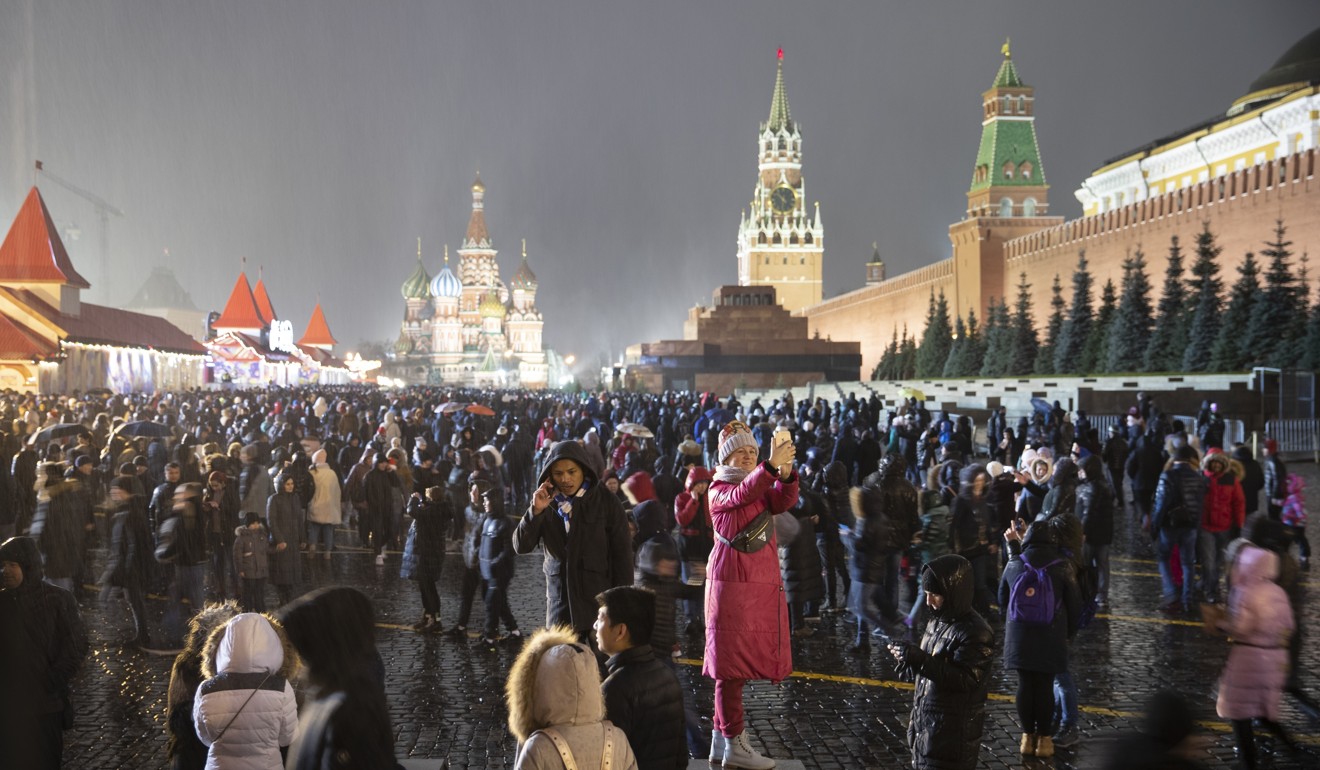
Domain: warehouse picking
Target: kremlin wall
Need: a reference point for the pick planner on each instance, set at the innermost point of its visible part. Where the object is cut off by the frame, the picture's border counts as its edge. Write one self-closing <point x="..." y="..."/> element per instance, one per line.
<point x="1239" y="173"/>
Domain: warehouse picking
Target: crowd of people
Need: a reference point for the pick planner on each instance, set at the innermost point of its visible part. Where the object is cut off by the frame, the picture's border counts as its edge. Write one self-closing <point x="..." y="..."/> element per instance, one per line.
<point x="736" y="524"/>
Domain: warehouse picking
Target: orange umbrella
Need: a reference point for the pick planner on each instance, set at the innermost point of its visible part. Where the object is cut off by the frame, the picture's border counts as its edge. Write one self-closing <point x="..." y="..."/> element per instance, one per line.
<point x="480" y="409"/>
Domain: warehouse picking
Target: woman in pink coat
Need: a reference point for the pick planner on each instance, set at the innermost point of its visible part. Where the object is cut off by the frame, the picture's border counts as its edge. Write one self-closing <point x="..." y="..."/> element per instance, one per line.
<point x="1259" y="623"/>
<point x="746" y="615"/>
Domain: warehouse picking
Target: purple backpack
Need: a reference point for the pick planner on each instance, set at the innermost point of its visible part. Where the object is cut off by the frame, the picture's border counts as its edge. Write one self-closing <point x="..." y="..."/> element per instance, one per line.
<point x="1031" y="600"/>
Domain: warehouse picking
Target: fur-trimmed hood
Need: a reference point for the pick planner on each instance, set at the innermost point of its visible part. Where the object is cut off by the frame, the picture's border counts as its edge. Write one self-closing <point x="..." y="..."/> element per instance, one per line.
<point x="554" y="681"/>
<point x="242" y="645"/>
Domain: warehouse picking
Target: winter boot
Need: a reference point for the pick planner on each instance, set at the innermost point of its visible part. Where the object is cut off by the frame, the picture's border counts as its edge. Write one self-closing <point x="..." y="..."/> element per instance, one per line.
<point x="1028" y="746"/>
<point x="738" y="753"/>
<point x="717" y="742"/>
<point x="425" y="624"/>
<point x="1044" y="746"/>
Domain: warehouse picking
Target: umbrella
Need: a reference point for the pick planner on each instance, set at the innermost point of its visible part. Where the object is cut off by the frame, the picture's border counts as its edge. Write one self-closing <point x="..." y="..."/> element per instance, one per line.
<point x="635" y="429"/>
<point x="912" y="393"/>
<point x="449" y="407"/>
<point x="1042" y="406"/>
<point x="719" y="415"/>
<point x="145" y="428"/>
<point x="480" y="409"/>
<point x="58" y="431"/>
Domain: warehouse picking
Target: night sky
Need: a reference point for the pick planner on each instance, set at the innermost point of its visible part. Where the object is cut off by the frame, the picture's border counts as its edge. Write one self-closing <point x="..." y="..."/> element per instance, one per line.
<point x="321" y="139"/>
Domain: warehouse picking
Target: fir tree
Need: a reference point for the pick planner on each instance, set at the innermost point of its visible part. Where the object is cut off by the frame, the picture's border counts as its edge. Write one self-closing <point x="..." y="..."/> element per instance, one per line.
<point x="1053" y="329"/>
<point x="1130" y="329"/>
<point x="1310" y="358"/>
<point x="1168" y="337"/>
<point x="907" y="356"/>
<point x="972" y="352"/>
<point x="885" y="369"/>
<point x="1022" y="355"/>
<point x="1229" y="353"/>
<point x="936" y="340"/>
<point x="1069" y="351"/>
<point x="955" y="349"/>
<point x="1095" y="355"/>
<point x="1271" y="334"/>
<point x="1205" y="303"/>
<point x="998" y="340"/>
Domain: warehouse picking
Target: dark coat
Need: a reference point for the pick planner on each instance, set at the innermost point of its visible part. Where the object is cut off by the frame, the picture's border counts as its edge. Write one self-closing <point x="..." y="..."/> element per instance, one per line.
<point x="42" y="641"/>
<point x="1095" y="507"/>
<point x="59" y="527"/>
<point x="970" y="516"/>
<point x="644" y="699"/>
<point x="287" y="522"/>
<point x="1253" y="478"/>
<point x="131" y="560"/>
<point x="889" y="517"/>
<point x="472" y="536"/>
<point x="799" y="559"/>
<point x="1042" y="648"/>
<point x="1180" y="487"/>
<point x="424" y="550"/>
<point x="595" y="554"/>
<point x="656" y="545"/>
<point x="1145" y="462"/>
<point x="497" y="557"/>
<point x="952" y="673"/>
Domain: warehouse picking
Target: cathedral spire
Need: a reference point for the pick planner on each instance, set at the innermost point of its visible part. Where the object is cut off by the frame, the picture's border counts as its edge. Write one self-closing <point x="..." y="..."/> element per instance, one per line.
<point x="779" y="114"/>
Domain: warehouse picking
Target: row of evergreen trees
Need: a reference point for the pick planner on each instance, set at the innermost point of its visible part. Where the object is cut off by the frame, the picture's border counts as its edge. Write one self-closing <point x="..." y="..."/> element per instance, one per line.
<point x="1194" y="327"/>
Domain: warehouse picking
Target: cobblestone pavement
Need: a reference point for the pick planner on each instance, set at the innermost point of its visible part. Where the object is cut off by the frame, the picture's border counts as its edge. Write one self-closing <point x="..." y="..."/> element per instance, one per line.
<point x="836" y="711"/>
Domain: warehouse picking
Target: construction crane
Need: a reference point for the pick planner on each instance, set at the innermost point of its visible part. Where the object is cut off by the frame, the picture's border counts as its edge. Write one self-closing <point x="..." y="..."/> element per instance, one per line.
<point x="103" y="209"/>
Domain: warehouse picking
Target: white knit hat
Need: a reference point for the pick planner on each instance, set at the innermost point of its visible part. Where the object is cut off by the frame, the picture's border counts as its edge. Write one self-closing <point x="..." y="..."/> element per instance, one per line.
<point x="733" y="436"/>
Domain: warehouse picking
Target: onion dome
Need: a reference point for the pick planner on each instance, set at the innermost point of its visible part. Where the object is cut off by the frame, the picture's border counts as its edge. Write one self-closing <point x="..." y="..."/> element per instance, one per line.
<point x="524" y="278"/>
<point x="491" y="306"/>
<point x="446" y="284"/>
<point x="403" y="345"/>
<point x="418" y="285"/>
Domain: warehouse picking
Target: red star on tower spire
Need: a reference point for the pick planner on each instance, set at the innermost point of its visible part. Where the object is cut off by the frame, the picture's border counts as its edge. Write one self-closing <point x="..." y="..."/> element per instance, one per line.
<point x="781" y="54"/>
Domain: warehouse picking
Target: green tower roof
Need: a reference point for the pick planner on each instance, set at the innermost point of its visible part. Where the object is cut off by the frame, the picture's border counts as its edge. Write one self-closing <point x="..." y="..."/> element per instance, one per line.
<point x="1008" y="139"/>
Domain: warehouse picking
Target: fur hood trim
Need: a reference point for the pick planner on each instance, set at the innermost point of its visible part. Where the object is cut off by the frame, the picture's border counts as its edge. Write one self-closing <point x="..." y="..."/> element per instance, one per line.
<point x="554" y="681"/>
<point x="210" y="652"/>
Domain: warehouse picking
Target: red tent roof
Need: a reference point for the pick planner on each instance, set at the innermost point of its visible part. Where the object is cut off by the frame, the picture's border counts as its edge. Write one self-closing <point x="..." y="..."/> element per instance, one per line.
<point x="16" y="341"/>
<point x="100" y="325"/>
<point x="241" y="310"/>
<point x="263" y="301"/>
<point x="33" y="252"/>
<point x="318" y="331"/>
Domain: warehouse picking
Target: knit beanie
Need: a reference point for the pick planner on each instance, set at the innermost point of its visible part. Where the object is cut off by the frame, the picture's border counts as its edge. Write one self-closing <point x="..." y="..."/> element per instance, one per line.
<point x="733" y="436"/>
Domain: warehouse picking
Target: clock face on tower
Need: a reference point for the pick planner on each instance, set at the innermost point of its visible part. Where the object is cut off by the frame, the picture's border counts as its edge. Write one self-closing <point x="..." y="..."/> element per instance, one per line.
<point x="783" y="199"/>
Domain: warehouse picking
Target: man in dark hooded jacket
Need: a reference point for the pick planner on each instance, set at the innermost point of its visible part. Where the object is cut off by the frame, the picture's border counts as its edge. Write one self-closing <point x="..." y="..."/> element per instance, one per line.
<point x="887" y="515"/>
<point x="951" y="669"/>
<point x="584" y="534"/>
<point x="42" y="645"/>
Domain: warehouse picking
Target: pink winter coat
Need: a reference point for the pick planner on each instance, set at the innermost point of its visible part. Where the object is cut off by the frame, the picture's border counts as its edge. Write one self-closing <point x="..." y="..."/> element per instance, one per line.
<point x="1259" y="623"/>
<point x="746" y="613"/>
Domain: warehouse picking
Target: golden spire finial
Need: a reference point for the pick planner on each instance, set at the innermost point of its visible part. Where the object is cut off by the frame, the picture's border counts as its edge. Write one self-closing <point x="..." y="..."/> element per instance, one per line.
<point x="1005" y="49"/>
<point x="446" y="253"/>
<point x="524" y="240"/>
<point x="419" y="248"/>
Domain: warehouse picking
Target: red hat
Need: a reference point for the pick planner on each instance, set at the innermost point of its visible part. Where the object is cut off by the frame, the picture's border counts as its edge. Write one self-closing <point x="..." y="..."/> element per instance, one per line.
<point x="698" y="474"/>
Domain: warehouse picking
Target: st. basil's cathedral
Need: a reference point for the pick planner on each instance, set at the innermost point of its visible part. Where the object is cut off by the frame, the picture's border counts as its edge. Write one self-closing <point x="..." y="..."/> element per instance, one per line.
<point x="470" y="328"/>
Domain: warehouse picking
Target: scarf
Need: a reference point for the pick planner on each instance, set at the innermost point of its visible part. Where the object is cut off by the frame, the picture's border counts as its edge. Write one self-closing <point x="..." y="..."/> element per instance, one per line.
<point x="729" y="474"/>
<point x="564" y="504"/>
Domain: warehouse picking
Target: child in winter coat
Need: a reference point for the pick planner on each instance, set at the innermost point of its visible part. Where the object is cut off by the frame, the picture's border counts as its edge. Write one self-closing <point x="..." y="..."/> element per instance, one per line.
<point x="497" y="561"/>
<point x="245" y="709"/>
<point x="1294" y="517"/>
<point x="252" y="562"/>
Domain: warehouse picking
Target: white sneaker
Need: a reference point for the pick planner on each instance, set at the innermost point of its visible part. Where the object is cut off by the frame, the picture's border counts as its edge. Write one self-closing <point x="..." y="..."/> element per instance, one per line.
<point x="738" y="753"/>
<point x="380" y="559"/>
<point x="717" y="743"/>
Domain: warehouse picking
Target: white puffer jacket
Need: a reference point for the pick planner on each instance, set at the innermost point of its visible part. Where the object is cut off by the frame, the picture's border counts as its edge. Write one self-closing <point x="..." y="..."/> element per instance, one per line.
<point x="325" y="507"/>
<point x="247" y="651"/>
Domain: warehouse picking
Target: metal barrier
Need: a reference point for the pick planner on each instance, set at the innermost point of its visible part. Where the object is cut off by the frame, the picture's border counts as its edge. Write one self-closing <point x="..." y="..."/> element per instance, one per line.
<point x="1295" y="436"/>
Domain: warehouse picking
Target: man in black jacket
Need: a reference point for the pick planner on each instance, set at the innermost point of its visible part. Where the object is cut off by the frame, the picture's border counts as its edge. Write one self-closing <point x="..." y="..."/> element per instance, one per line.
<point x="581" y="527"/>
<point x="642" y="695"/>
<point x="1144" y="464"/>
<point x="1276" y="479"/>
<point x="951" y="669"/>
<point x="42" y="646"/>
<point x="887" y="515"/>
<point x="1179" y="500"/>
